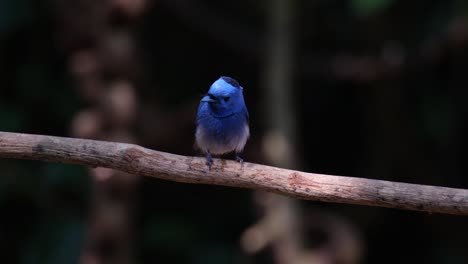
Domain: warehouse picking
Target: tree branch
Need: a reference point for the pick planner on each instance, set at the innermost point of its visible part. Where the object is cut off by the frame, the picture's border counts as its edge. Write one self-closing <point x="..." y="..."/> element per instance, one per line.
<point x="309" y="186"/>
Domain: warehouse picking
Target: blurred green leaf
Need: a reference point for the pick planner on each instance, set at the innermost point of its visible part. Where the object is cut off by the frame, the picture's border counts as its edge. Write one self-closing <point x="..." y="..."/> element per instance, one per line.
<point x="20" y="177"/>
<point x="66" y="176"/>
<point x="57" y="241"/>
<point x="439" y="119"/>
<point x="369" y="7"/>
<point x="214" y="252"/>
<point x="169" y="232"/>
<point x="11" y="119"/>
<point x="13" y="13"/>
<point x="461" y="7"/>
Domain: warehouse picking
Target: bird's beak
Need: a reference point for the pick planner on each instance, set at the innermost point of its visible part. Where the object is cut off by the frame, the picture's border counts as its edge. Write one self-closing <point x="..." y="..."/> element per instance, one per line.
<point x="207" y="99"/>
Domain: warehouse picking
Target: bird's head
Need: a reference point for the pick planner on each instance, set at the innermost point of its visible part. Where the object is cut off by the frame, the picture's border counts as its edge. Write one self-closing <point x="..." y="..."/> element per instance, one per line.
<point x="225" y="96"/>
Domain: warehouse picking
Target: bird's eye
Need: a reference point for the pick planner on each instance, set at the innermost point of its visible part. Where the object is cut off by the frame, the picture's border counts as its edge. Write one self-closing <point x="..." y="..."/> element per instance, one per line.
<point x="226" y="99"/>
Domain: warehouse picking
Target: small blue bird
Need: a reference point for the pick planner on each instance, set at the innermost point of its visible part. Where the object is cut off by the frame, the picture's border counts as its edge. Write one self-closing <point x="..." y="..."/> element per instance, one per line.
<point x="222" y="120"/>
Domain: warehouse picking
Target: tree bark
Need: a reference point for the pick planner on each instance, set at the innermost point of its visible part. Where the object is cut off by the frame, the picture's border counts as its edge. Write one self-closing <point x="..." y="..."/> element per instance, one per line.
<point x="309" y="186"/>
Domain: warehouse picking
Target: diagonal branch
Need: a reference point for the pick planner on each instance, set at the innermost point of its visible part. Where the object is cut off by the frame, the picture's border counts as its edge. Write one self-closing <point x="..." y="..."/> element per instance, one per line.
<point x="309" y="186"/>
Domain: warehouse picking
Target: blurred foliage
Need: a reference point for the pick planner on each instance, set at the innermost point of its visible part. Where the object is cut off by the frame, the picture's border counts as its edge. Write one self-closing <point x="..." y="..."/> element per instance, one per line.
<point x="405" y="122"/>
<point x="44" y="208"/>
<point x="369" y="7"/>
<point x="14" y="14"/>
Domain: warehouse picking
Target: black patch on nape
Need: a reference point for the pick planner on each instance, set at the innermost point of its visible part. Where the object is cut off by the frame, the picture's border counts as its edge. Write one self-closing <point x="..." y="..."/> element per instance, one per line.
<point x="231" y="81"/>
<point x="212" y="96"/>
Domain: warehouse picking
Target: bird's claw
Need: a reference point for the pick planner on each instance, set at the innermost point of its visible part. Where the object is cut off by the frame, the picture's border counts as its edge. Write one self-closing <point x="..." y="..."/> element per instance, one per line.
<point x="209" y="160"/>
<point x="239" y="159"/>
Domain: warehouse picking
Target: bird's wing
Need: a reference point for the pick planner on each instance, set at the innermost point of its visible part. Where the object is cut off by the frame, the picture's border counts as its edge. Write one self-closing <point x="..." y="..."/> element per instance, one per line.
<point x="246" y="112"/>
<point x="199" y="113"/>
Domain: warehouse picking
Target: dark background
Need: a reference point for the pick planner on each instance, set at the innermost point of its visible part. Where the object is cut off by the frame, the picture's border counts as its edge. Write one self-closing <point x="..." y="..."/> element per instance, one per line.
<point x="376" y="89"/>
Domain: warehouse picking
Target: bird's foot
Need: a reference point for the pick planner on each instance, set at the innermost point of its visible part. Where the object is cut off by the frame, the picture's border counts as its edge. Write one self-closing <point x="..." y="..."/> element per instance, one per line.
<point x="239" y="159"/>
<point x="209" y="160"/>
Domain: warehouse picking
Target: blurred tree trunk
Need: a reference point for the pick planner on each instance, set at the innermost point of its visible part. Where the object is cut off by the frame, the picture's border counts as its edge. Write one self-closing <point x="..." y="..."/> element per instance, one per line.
<point x="284" y="225"/>
<point x="278" y="227"/>
<point x="97" y="35"/>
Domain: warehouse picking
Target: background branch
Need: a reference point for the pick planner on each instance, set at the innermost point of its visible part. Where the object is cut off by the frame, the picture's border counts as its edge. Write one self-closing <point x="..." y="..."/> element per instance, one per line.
<point x="310" y="186"/>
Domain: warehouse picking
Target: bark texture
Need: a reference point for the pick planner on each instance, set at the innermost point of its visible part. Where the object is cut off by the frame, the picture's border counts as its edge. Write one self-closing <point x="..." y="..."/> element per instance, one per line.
<point x="309" y="186"/>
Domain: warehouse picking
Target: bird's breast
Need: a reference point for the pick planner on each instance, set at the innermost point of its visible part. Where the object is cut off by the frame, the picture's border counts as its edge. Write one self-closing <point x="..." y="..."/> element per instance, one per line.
<point x="222" y="135"/>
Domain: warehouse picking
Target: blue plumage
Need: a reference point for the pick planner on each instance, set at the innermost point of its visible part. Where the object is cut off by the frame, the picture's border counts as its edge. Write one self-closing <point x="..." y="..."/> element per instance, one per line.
<point x="222" y="120"/>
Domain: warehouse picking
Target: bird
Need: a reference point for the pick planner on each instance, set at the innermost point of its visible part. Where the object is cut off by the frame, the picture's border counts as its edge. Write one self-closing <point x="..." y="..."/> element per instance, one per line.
<point x="222" y="123"/>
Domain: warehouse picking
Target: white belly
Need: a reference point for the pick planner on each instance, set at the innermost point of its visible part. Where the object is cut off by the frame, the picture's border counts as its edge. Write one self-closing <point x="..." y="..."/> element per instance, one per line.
<point x="209" y="141"/>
